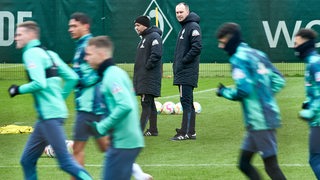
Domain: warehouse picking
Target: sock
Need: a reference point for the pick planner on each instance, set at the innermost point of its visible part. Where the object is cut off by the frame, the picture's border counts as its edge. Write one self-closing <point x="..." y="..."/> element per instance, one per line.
<point x="138" y="174"/>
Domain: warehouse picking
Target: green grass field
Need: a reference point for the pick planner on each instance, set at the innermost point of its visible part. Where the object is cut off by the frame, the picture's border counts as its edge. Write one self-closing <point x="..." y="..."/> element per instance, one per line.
<point x="212" y="156"/>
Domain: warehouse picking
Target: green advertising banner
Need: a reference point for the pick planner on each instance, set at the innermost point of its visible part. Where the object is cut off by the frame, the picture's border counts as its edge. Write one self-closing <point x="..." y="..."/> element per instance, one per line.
<point x="268" y="25"/>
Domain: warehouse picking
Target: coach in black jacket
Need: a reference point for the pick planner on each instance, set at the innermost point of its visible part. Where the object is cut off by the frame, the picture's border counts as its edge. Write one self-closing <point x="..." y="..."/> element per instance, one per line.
<point x="186" y="68"/>
<point x="147" y="72"/>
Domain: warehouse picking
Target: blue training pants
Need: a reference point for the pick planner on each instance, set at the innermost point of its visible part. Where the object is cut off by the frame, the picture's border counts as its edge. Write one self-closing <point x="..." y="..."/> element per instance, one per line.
<point x="314" y="150"/>
<point x="51" y="132"/>
<point x="118" y="163"/>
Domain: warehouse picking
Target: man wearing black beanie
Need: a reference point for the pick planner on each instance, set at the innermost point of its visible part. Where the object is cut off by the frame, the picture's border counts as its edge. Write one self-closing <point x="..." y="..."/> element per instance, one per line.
<point x="143" y="20"/>
<point x="148" y="72"/>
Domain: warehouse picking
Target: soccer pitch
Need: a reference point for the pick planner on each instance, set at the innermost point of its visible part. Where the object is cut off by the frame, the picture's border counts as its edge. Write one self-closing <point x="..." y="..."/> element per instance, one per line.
<point x="212" y="156"/>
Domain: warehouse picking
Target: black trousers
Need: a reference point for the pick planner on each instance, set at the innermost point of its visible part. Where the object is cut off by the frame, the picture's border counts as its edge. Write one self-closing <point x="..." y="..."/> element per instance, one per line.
<point x="149" y="112"/>
<point x="189" y="116"/>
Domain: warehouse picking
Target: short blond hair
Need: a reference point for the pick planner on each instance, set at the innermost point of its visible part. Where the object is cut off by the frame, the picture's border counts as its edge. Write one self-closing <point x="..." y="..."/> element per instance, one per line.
<point x="30" y="25"/>
<point x="101" y="42"/>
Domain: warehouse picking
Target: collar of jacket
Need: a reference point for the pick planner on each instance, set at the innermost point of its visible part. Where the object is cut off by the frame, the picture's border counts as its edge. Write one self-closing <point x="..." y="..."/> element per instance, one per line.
<point x="305" y="49"/>
<point x="31" y="44"/>
<point x="192" y="17"/>
<point x="146" y="31"/>
<point x="150" y="30"/>
<point x="84" y="38"/>
<point x="233" y="43"/>
<point x="104" y="65"/>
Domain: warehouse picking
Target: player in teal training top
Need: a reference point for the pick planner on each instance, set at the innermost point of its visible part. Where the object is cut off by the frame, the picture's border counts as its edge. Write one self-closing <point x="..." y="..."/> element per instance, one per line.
<point x="50" y="82"/>
<point x="123" y="123"/>
<point x="257" y="81"/>
<point x="89" y="105"/>
<point x="305" y="50"/>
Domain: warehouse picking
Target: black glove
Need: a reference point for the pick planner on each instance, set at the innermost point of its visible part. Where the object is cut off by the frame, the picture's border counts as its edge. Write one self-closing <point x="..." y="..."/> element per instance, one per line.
<point x="93" y="126"/>
<point x="220" y="89"/>
<point x="305" y="105"/>
<point x="13" y="90"/>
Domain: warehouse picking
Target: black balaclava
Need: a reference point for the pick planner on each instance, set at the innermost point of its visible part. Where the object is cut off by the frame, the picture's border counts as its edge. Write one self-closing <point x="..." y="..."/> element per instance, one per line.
<point x="304" y="49"/>
<point x="233" y="43"/>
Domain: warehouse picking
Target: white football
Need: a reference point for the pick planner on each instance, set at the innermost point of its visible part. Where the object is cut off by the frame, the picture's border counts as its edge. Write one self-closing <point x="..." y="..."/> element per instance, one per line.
<point x="69" y="144"/>
<point x="48" y="150"/>
<point x="197" y="107"/>
<point x="178" y="108"/>
<point x="158" y="106"/>
<point x="168" y="107"/>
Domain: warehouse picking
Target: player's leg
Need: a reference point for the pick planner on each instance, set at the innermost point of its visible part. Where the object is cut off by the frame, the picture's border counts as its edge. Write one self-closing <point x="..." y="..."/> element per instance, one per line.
<point x="272" y="168"/>
<point x="192" y="127"/>
<point x="81" y="134"/>
<point x="266" y="143"/>
<point x="145" y="112"/>
<point x="314" y="150"/>
<point x="32" y="151"/>
<point x="314" y="161"/>
<point x="119" y="162"/>
<point x="186" y="99"/>
<point x="246" y="167"/>
<point x="78" y="151"/>
<point x="153" y="129"/>
<point x="248" y="149"/>
<point x="54" y="133"/>
<point x="103" y="143"/>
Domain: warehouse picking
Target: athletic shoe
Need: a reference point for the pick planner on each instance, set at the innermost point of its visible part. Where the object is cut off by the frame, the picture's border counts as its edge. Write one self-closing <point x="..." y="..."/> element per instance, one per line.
<point x="144" y="176"/>
<point x="147" y="177"/>
<point x="178" y="137"/>
<point x="150" y="133"/>
<point x="138" y="174"/>
<point x="191" y="136"/>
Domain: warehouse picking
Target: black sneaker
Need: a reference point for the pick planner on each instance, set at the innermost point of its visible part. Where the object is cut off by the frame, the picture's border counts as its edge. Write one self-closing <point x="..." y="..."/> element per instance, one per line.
<point x="150" y="133"/>
<point x="178" y="137"/>
<point x="191" y="136"/>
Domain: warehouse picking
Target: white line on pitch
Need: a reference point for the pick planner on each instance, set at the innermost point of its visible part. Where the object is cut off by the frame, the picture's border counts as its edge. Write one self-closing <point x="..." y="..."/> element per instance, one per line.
<point x="166" y="165"/>
<point x="195" y="92"/>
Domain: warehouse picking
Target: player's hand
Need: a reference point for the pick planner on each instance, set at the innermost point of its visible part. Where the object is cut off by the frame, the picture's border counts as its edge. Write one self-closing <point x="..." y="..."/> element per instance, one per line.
<point x="94" y="126"/>
<point x="305" y="105"/>
<point x="13" y="90"/>
<point x="220" y="89"/>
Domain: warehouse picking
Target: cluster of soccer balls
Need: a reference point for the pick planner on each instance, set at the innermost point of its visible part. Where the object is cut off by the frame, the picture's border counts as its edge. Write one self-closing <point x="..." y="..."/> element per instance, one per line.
<point x="171" y="108"/>
<point x="48" y="150"/>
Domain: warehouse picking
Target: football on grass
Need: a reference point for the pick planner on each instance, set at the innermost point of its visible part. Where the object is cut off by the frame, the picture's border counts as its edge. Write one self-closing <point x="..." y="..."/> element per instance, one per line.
<point x="168" y="107"/>
<point x="158" y="106"/>
<point x="48" y="150"/>
<point x="178" y="108"/>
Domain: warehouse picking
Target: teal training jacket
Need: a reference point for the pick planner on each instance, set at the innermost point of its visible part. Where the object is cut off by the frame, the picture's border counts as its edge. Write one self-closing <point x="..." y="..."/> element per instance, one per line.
<point x="312" y="87"/>
<point x="257" y="81"/>
<point x="123" y="122"/>
<point x="49" y="93"/>
<point x="86" y="93"/>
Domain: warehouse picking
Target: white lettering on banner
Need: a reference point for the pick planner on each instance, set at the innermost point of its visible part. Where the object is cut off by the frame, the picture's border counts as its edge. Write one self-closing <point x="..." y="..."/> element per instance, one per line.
<point x="282" y="27"/>
<point x="8" y="17"/>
